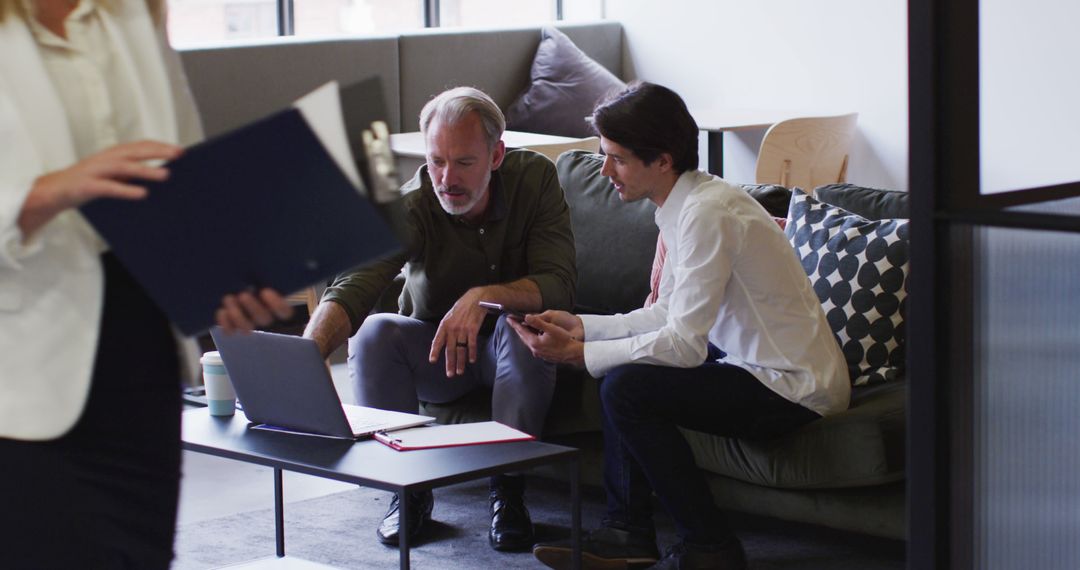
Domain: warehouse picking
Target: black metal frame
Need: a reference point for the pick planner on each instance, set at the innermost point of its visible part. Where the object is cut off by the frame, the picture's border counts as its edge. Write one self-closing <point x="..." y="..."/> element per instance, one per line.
<point x="432" y="13"/>
<point x="286" y="18"/>
<point x="947" y="209"/>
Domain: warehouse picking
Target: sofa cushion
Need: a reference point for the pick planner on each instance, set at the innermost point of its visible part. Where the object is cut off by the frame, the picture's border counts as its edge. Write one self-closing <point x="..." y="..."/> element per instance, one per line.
<point x="870" y="203"/>
<point x="615" y="241"/>
<point x="861" y="446"/>
<point x="858" y="269"/>
<point x="565" y="86"/>
<point x="773" y="197"/>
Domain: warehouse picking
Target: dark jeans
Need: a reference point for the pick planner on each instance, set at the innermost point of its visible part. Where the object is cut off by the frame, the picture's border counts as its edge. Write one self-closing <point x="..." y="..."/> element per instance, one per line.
<point x="103" y="495"/>
<point x="644" y="452"/>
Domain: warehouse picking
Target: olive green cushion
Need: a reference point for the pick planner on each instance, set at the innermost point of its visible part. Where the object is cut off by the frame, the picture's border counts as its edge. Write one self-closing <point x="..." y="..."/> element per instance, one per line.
<point x="862" y="446"/>
<point x="880" y="510"/>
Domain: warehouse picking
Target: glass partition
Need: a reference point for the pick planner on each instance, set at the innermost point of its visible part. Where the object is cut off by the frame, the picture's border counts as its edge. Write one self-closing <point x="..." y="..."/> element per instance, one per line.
<point x="1027" y="399"/>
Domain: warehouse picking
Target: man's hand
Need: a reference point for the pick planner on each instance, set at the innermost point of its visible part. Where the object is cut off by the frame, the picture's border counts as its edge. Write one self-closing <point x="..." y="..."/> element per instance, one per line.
<point x="329" y="327"/>
<point x="244" y="311"/>
<point x="551" y="342"/>
<point x="569" y="322"/>
<point x="457" y="333"/>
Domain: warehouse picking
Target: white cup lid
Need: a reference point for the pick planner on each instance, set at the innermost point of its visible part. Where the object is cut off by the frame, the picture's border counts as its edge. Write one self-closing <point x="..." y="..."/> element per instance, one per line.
<point x="211" y="358"/>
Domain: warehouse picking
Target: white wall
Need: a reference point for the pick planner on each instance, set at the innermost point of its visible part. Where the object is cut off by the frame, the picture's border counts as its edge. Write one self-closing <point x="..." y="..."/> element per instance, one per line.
<point x="1029" y="91"/>
<point x="819" y="55"/>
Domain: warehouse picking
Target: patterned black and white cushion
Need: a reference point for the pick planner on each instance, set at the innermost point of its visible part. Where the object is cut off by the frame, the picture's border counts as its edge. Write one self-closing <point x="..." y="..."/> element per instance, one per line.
<point x="858" y="269"/>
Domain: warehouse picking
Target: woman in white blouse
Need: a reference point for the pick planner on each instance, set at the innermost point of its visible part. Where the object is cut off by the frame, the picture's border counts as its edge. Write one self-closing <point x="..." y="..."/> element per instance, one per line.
<point x="90" y="96"/>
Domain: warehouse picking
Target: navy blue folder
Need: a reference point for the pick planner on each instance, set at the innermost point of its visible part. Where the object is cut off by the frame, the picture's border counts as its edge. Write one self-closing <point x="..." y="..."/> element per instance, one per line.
<point x="261" y="206"/>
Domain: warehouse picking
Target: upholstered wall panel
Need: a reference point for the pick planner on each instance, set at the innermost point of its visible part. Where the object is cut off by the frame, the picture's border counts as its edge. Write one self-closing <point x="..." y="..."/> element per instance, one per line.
<point x="495" y="61"/>
<point x="234" y="84"/>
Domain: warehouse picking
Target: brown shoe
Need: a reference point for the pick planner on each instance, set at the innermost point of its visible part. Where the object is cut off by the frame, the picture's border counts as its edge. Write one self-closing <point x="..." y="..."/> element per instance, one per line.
<point x="726" y="556"/>
<point x="606" y="548"/>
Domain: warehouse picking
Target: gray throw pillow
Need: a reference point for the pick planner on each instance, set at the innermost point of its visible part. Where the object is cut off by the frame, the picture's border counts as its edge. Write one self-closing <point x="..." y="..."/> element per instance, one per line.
<point x="565" y="86"/>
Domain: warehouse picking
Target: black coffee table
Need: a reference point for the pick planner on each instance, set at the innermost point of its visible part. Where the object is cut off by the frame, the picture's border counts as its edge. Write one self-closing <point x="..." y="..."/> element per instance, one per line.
<point x="371" y="464"/>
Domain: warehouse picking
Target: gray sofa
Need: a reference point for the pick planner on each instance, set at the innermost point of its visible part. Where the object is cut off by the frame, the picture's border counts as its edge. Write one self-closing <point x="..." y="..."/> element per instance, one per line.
<point x="846" y="471"/>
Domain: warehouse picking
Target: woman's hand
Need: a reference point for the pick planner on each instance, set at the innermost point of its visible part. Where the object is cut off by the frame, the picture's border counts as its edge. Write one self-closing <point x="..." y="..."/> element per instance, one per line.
<point x="244" y="311"/>
<point x="107" y="174"/>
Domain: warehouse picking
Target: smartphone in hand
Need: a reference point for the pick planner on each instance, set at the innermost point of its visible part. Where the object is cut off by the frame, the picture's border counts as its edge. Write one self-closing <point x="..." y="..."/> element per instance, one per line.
<point x="498" y="308"/>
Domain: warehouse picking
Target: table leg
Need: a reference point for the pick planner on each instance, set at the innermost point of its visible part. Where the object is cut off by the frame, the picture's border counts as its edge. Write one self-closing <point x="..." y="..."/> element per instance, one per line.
<point x="575" y="510"/>
<point x="403" y="530"/>
<point x="716" y="153"/>
<point x="279" y="513"/>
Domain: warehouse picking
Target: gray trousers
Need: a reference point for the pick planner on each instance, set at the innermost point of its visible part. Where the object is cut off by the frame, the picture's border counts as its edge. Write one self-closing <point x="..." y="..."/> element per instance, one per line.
<point x="389" y="369"/>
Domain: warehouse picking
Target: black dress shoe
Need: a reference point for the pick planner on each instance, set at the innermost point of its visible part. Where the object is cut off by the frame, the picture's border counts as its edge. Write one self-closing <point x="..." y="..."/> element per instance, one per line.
<point x="606" y="548"/>
<point x="726" y="556"/>
<point x="511" y="527"/>
<point x="420" y="505"/>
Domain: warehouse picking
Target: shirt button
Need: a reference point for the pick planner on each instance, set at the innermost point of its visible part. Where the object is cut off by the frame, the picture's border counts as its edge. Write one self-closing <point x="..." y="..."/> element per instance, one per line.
<point x="481" y="231"/>
<point x="493" y="268"/>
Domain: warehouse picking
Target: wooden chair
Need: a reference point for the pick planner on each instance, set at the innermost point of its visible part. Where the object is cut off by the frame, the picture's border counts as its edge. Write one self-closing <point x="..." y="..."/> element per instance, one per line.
<point x="306" y="296"/>
<point x="806" y="152"/>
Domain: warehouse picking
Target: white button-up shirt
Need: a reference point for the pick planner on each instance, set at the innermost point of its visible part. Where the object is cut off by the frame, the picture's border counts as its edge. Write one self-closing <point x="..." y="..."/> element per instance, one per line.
<point x="731" y="278"/>
<point x="93" y="87"/>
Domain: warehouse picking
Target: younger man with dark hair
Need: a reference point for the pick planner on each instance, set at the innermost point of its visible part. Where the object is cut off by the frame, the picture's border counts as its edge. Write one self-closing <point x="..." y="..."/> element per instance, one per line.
<point x="736" y="345"/>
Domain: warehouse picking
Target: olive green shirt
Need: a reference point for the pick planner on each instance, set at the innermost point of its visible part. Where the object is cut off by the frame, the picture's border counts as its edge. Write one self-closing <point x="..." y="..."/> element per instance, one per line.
<point x="526" y="234"/>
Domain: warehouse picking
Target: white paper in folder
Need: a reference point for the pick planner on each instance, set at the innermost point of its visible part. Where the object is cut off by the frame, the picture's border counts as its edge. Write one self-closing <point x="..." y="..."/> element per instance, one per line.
<point x="450" y="435"/>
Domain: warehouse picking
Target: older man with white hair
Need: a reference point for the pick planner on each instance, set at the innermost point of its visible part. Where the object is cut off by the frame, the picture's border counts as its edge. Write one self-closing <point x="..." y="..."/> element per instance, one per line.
<point x="483" y="224"/>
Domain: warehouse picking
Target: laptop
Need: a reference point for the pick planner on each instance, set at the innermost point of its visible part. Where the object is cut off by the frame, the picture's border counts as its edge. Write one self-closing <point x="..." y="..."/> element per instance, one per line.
<point x="282" y="383"/>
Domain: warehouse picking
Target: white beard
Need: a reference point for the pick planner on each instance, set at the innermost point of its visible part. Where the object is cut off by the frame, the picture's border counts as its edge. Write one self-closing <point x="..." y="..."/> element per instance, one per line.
<point x="460" y="210"/>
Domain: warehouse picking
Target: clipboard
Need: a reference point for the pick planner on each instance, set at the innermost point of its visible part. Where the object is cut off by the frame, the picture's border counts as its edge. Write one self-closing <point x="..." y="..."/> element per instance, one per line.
<point x="450" y="435"/>
<point x="281" y="202"/>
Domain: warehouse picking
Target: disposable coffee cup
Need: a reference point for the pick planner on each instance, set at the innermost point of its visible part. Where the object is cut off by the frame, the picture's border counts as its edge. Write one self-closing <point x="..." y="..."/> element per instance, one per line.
<point x="220" y="397"/>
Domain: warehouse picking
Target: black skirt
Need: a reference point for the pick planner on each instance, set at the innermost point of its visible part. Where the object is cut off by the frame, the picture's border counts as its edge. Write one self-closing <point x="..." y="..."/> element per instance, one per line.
<point x="104" y="494"/>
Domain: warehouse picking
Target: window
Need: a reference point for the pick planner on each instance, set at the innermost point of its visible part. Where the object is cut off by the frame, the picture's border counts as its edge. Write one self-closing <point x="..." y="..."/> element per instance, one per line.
<point x="576" y="10"/>
<point x="492" y="13"/>
<point x="194" y="22"/>
<point x="345" y="17"/>
<point x="208" y="21"/>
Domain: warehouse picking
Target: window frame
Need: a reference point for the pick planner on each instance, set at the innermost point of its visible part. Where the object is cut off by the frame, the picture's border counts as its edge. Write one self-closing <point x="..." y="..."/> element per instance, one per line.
<point x="429" y="9"/>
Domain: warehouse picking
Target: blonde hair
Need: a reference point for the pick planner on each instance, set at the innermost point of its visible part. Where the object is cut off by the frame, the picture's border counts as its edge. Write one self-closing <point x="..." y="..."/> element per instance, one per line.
<point x="20" y="8"/>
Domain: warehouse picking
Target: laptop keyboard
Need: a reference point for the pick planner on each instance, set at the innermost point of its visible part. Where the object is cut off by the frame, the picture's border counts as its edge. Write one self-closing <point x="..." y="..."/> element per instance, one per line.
<point x="359" y="422"/>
